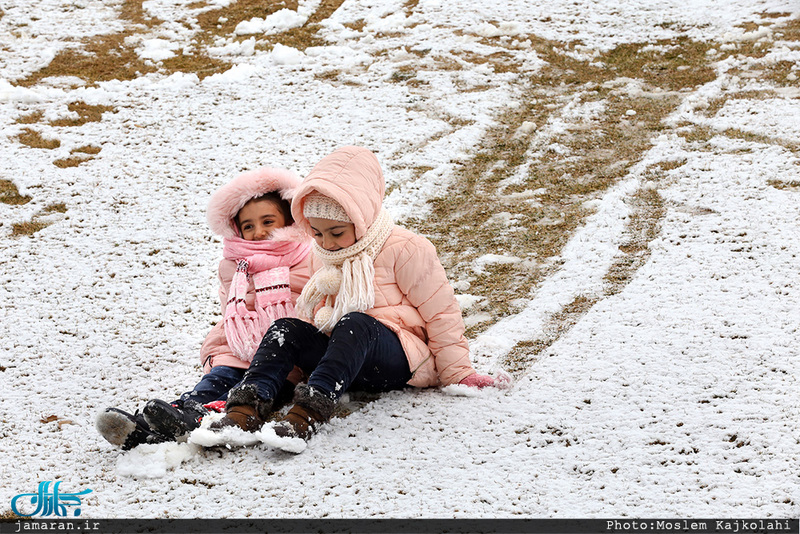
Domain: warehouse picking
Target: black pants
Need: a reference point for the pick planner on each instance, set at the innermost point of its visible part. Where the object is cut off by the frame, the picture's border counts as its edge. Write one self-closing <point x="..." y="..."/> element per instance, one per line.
<point x="361" y="353"/>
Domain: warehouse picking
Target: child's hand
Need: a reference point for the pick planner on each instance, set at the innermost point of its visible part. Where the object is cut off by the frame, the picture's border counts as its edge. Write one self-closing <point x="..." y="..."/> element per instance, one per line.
<point x="502" y="381"/>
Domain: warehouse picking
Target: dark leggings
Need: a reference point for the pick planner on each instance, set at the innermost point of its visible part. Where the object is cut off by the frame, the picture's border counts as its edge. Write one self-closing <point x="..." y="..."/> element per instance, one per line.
<point x="361" y="353"/>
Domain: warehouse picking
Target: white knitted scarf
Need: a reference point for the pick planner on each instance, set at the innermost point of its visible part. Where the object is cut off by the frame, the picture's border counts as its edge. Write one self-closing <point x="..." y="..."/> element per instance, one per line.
<point x="346" y="282"/>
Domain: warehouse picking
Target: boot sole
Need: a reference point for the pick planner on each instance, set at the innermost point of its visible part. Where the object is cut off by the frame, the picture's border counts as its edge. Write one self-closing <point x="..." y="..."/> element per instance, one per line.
<point x="114" y="427"/>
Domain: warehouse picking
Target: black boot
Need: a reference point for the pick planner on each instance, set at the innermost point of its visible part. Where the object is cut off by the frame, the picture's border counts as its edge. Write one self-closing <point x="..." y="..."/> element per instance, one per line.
<point x="126" y="430"/>
<point x="171" y="420"/>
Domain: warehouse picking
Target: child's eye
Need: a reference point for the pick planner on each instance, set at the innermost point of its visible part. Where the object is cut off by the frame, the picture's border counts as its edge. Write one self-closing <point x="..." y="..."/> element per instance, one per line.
<point x="338" y="235"/>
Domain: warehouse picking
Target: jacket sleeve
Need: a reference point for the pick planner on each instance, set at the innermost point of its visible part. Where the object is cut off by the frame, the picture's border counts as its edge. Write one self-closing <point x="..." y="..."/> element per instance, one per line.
<point x="422" y="278"/>
<point x="225" y="275"/>
<point x="215" y="342"/>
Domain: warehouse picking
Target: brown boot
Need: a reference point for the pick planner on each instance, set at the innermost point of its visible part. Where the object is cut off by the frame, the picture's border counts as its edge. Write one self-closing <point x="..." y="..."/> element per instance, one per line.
<point x="244" y="410"/>
<point x="312" y="408"/>
<point x="242" y="416"/>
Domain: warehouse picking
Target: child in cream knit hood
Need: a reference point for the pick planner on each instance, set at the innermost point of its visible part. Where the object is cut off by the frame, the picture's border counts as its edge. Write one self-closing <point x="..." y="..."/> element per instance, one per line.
<point x="382" y="313"/>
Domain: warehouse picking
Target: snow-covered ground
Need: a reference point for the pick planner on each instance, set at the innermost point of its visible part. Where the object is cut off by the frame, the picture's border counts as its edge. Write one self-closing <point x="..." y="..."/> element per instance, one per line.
<point x="677" y="396"/>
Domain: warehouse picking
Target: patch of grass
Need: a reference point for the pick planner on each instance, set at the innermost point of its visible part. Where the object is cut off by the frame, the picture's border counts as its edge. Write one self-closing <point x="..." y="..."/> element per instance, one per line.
<point x="773" y="15"/>
<point x="58" y="207"/>
<point x="79" y="155"/>
<point x="519" y="359"/>
<point x="133" y="11"/>
<point x="9" y="194"/>
<point x="328" y="75"/>
<point x="306" y="35"/>
<point x="198" y="63"/>
<point x="717" y="104"/>
<point x="72" y="161"/>
<point x="403" y="74"/>
<point x="27" y="228"/>
<point x="9" y="515"/>
<point x="697" y="134"/>
<point x="223" y="21"/>
<point x="544" y="182"/>
<point x="30" y="118"/>
<point x="786" y="186"/>
<point x="34" y="139"/>
<point x="86" y="113"/>
<point x="357" y="25"/>
<point x="87" y="149"/>
<point x="671" y="164"/>
<point x="643" y="226"/>
<point x="108" y="57"/>
<point x="782" y="72"/>
<point x="501" y="62"/>
<point x="98" y="59"/>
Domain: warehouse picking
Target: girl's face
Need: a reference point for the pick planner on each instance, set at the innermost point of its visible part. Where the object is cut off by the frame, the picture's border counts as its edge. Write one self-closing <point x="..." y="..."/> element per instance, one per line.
<point x="258" y="218"/>
<point x="332" y="235"/>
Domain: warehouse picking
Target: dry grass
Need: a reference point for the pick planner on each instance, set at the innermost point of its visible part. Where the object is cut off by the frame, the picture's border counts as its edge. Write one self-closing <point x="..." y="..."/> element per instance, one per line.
<point x="34" y="139"/>
<point x="9" y="194"/>
<point x="9" y="515"/>
<point x="223" y="21"/>
<point x="27" y="228"/>
<point x="643" y="226"/>
<point x="306" y="35"/>
<point x="133" y="11"/>
<point x="787" y="186"/>
<point x="594" y="155"/>
<point x="30" y="118"/>
<point x="78" y="155"/>
<point x="545" y="190"/>
<point x="519" y="359"/>
<point x="99" y="59"/>
<point x="86" y="113"/>
<point x="87" y="149"/>
<point x="72" y="161"/>
<point x="59" y="207"/>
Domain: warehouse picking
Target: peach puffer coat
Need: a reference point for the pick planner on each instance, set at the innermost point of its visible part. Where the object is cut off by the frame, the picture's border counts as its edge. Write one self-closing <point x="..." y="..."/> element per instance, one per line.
<point x="412" y="294"/>
<point x="225" y="203"/>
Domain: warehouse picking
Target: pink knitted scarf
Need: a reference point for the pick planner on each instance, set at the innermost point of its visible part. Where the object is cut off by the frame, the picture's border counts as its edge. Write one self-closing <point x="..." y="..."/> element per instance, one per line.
<point x="267" y="263"/>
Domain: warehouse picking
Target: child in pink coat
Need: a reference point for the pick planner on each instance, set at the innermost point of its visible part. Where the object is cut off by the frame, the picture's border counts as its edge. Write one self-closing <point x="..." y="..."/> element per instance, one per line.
<point x="382" y="313"/>
<point x="265" y="266"/>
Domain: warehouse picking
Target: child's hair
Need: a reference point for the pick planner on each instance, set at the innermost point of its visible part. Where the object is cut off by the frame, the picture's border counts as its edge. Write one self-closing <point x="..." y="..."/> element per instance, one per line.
<point x="284" y="205"/>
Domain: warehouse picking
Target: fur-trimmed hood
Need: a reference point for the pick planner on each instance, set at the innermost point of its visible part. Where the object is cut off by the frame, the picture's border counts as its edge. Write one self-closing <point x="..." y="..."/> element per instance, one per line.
<point x="226" y="202"/>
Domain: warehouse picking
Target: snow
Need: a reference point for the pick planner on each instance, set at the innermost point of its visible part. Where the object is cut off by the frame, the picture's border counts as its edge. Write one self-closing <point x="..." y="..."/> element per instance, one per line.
<point x="676" y="396"/>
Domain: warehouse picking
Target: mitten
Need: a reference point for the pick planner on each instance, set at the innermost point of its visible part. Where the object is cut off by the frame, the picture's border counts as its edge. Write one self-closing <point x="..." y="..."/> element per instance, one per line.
<point x="502" y="381"/>
<point x="478" y="381"/>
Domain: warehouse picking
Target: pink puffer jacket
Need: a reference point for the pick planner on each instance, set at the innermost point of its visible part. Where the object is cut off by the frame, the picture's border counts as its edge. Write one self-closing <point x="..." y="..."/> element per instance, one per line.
<point x="412" y="294"/>
<point x="225" y="203"/>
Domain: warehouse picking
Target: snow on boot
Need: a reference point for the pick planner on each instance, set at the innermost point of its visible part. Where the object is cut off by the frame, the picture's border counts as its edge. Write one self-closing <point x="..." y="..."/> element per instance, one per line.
<point x="126" y="430"/>
<point x="241" y="416"/>
<point x="171" y="420"/>
<point x="312" y="408"/>
<point x="244" y="410"/>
